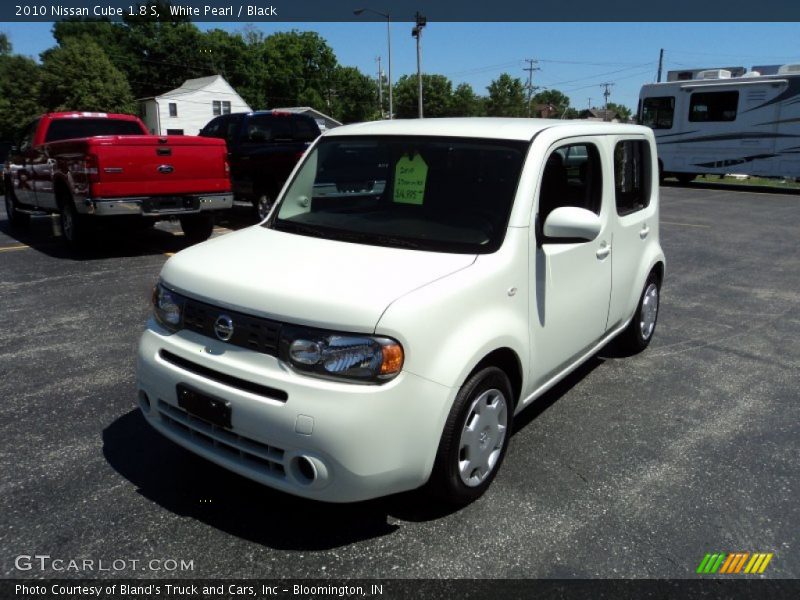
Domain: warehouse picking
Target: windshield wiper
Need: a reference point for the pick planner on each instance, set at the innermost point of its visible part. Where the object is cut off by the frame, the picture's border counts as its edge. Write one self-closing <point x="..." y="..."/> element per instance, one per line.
<point x="292" y="227"/>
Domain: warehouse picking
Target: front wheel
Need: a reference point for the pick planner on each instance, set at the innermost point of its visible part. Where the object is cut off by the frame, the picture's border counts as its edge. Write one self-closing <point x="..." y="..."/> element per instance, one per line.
<point x="197" y="228"/>
<point x="638" y="334"/>
<point x="15" y="218"/>
<point x="475" y="438"/>
<point x="262" y="205"/>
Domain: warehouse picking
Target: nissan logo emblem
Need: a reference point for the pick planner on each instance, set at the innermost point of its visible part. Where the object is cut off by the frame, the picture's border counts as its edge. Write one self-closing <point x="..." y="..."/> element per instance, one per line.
<point x="223" y="327"/>
<point x="165" y="168"/>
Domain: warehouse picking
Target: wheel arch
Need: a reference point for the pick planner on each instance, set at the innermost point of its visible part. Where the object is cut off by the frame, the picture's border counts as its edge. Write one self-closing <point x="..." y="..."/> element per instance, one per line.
<point x="508" y="361"/>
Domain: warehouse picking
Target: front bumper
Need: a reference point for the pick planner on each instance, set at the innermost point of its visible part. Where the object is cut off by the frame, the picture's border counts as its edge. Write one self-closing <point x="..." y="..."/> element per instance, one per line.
<point x="154" y="206"/>
<point x="360" y="441"/>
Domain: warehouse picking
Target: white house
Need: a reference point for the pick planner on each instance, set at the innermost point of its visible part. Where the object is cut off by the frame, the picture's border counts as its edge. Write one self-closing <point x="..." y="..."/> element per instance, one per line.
<point x="185" y="110"/>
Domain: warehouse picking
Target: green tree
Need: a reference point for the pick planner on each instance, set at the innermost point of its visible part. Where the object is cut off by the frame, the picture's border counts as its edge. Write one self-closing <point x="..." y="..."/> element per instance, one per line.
<point x="5" y="45"/>
<point x="554" y="98"/>
<point x="19" y="103"/>
<point x="466" y="103"/>
<point x="506" y="97"/>
<point x="623" y="112"/>
<point x="437" y="96"/>
<point x="299" y="65"/>
<point x="78" y="75"/>
<point x="355" y="98"/>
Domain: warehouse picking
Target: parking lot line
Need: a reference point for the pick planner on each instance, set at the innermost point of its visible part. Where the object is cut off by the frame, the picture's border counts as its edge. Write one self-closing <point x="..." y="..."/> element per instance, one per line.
<point x="686" y="224"/>
<point x="15" y="247"/>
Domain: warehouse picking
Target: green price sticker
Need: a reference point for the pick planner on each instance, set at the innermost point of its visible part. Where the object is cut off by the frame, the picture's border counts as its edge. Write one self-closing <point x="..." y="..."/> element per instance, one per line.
<point x="410" y="175"/>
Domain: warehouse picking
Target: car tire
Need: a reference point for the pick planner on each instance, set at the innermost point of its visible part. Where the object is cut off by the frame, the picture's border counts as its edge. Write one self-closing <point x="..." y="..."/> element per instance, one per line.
<point x="74" y="227"/>
<point x="262" y="204"/>
<point x="685" y="178"/>
<point x="197" y="228"/>
<point x="475" y="438"/>
<point x="16" y="219"/>
<point x="636" y="337"/>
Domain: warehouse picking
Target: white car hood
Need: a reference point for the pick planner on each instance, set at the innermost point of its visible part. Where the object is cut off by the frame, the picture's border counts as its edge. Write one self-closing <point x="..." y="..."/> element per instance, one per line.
<point x="304" y="280"/>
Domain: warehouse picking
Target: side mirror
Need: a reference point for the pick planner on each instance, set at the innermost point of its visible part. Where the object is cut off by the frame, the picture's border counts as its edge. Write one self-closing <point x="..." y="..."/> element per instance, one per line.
<point x="571" y="222"/>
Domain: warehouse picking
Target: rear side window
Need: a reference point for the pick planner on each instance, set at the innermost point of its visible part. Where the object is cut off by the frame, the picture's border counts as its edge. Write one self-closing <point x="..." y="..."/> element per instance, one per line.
<point x="658" y="113"/>
<point x="306" y="130"/>
<point x="70" y="128"/>
<point x="713" y="106"/>
<point x="631" y="176"/>
<point x="572" y="177"/>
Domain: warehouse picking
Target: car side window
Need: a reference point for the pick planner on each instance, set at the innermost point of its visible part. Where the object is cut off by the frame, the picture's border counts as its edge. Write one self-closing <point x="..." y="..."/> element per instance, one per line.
<point x="213" y="128"/>
<point x="26" y="143"/>
<point x="631" y="180"/>
<point x="306" y="130"/>
<point x="572" y="177"/>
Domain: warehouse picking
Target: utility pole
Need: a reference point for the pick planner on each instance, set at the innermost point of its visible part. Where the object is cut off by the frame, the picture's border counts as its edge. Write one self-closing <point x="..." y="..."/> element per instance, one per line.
<point x="606" y="94"/>
<point x="380" y="87"/>
<point x="417" y="33"/>
<point x="589" y="103"/>
<point x="530" y="69"/>
<point x="660" y="64"/>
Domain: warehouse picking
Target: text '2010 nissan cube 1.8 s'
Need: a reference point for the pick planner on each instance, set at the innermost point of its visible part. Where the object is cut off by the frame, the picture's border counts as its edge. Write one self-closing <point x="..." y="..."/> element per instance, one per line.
<point x="417" y="284"/>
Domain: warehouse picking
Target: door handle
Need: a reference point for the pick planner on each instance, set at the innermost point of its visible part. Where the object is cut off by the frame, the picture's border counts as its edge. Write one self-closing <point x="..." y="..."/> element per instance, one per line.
<point x="603" y="251"/>
<point x="644" y="232"/>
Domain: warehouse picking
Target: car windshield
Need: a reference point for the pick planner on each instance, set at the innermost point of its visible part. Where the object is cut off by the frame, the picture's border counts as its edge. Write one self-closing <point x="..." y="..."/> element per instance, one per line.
<point x="427" y="193"/>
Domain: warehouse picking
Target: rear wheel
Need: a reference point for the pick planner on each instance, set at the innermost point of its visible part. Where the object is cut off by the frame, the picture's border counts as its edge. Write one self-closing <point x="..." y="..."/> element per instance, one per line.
<point x="15" y="218"/>
<point x="197" y="228"/>
<point x="74" y="227"/>
<point x="685" y="178"/>
<point x="475" y="438"/>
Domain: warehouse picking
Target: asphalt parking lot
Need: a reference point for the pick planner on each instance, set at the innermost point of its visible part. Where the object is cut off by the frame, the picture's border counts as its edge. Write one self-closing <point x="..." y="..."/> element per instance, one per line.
<point x="633" y="467"/>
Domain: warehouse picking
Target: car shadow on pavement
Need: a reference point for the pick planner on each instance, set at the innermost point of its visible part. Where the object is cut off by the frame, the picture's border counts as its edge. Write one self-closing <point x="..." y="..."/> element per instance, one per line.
<point x="190" y="486"/>
<point x="114" y="240"/>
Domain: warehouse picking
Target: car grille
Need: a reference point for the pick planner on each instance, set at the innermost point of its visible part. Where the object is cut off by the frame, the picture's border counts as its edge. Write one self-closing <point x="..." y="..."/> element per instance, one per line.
<point x="254" y="333"/>
<point x="224" y="443"/>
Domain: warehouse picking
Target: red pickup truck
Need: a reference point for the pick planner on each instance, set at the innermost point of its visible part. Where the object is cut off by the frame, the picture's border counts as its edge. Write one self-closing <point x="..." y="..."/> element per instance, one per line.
<point x="88" y="165"/>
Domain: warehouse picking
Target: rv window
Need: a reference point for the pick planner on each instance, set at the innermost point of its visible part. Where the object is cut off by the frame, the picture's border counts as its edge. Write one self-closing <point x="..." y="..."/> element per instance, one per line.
<point x="630" y="176"/>
<point x="713" y="106"/>
<point x="657" y="113"/>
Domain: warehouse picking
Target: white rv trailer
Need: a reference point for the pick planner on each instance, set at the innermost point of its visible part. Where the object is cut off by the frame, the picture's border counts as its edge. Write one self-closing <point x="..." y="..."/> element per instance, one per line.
<point x="716" y="123"/>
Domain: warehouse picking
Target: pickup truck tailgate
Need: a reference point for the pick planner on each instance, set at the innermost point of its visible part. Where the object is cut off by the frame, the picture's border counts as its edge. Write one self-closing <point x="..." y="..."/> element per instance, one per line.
<point x="152" y="166"/>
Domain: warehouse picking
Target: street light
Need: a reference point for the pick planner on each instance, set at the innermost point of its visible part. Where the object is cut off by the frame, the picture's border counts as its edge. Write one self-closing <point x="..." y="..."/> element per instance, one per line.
<point x="387" y="16"/>
<point x="417" y="33"/>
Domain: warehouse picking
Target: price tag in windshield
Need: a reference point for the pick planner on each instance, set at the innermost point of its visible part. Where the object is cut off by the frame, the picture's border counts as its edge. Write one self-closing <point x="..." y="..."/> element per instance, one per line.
<point x="410" y="175"/>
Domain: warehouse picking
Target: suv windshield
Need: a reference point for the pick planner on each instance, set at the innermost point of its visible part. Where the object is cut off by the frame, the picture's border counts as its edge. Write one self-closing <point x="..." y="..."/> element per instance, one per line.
<point x="436" y="194"/>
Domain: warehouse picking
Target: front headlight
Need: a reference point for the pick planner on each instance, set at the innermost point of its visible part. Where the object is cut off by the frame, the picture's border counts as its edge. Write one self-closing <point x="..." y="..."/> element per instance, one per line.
<point x="168" y="307"/>
<point x="369" y="359"/>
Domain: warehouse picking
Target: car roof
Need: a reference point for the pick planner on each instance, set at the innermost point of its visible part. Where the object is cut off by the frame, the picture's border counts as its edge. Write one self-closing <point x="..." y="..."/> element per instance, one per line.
<point x="483" y="127"/>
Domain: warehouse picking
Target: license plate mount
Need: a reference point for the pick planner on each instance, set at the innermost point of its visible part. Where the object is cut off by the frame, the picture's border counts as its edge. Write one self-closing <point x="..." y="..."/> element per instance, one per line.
<point x="209" y="409"/>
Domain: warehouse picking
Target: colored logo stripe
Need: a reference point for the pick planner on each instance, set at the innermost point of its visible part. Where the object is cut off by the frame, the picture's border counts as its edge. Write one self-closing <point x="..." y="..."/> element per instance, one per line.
<point x="734" y="562"/>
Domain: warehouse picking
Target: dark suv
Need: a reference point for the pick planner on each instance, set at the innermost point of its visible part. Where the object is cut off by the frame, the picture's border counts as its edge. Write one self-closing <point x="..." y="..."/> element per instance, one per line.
<point x="263" y="147"/>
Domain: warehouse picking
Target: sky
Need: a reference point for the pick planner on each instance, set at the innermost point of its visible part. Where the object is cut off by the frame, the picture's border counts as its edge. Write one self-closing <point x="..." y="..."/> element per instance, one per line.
<point x="574" y="58"/>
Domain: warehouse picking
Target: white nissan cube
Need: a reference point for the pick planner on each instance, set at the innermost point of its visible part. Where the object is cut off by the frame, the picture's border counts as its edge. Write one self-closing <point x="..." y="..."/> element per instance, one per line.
<point x="417" y="284"/>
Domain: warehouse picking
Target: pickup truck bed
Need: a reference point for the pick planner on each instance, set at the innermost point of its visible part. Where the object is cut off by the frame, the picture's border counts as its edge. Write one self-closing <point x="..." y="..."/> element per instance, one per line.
<point x="121" y="172"/>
